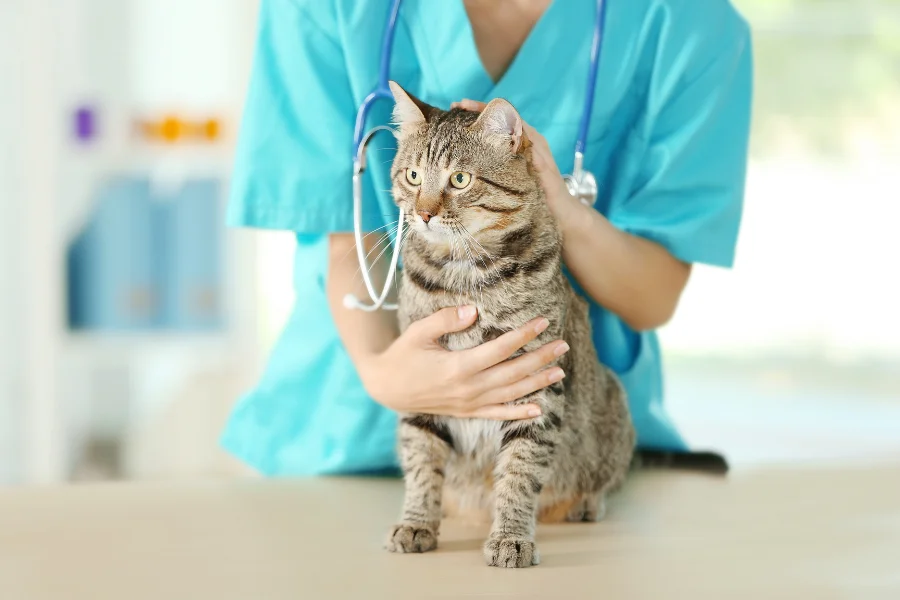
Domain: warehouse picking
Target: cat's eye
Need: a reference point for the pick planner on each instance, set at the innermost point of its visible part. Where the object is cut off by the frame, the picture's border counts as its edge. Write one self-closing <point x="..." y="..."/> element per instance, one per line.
<point x="460" y="180"/>
<point x="414" y="177"/>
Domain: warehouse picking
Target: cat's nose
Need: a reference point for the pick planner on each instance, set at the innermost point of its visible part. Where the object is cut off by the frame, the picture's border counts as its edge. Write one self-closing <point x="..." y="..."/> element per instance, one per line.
<point x="426" y="216"/>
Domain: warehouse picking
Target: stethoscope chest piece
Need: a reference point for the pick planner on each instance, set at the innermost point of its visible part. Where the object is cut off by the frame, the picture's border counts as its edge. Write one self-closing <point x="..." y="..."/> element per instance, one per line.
<point x="581" y="184"/>
<point x="583" y="187"/>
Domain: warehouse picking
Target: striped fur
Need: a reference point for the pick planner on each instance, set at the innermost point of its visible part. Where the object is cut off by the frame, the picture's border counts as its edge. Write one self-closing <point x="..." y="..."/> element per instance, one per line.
<point x="498" y="247"/>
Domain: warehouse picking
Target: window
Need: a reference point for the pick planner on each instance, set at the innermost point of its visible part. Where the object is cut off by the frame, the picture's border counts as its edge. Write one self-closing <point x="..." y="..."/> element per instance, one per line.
<point x="801" y="341"/>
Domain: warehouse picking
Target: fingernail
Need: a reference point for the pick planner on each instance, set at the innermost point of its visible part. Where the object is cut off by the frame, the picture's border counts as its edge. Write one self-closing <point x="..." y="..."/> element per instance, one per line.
<point x="534" y="412"/>
<point x="557" y="375"/>
<point x="561" y="349"/>
<point x="542" y="325"/>
<point x="466" y="312"/>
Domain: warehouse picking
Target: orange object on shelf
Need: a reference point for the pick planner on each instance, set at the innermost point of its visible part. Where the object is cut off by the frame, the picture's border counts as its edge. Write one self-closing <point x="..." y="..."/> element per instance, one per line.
<point x="172" y="130"/>
<point x="212" y="129"/>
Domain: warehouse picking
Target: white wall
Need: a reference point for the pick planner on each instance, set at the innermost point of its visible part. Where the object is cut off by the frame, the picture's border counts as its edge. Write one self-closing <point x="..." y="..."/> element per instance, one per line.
<point x="129" y="56"/>
<point x="815" y="274"/>
<point x="10" y="332"/>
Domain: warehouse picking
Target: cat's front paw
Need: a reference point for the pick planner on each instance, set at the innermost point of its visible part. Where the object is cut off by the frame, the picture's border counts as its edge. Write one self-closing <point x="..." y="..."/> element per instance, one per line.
<point x="511" y="552"/>
<point x="411" y="537"/>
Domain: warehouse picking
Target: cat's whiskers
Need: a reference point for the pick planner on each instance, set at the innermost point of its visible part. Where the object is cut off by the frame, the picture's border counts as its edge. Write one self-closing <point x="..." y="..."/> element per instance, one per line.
<point x="404" y="237"/>
<point x="387" y="246"/>
<point x="380" y="254"/>
<point x="392" y="224"/>
<point x="468" y="248"/>
<point x="472" y="237"/>
<point x="352" y="250"/>
<point x="477" y="290"/>
<point x="383" y="238"/>
<point x="456" y="255"/>
<point x="473" y="280"/>
<point x="481" y="250"/>
<point x="491" y="270"/>
<point x="381" y="241"/>
<point x="488" y="269"/>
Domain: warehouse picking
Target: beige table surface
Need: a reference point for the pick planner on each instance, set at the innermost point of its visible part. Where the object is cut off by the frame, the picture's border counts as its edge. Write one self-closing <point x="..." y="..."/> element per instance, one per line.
<point x="769" y="534"/>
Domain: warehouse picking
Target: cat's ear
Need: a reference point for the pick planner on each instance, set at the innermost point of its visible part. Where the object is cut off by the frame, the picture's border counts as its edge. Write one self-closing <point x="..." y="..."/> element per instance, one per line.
<point x="409" y="111"/>
<point x="501" y="122"/>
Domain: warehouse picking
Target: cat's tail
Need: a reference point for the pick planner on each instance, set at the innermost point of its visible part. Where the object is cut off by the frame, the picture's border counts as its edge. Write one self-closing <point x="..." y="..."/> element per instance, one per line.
<point x="704" y="462"/>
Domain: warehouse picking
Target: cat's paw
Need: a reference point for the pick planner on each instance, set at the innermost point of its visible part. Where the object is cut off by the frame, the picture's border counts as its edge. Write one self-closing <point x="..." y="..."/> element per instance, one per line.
<point x="411" y="537"/>
<point x="510" y="552"/>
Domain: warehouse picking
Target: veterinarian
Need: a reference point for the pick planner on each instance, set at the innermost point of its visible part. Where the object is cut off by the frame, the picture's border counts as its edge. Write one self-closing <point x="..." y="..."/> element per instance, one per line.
<point x="667" y="142"/>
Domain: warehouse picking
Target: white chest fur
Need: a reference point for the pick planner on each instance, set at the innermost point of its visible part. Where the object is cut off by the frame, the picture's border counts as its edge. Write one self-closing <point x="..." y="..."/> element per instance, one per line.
<point x="470" y="435"/>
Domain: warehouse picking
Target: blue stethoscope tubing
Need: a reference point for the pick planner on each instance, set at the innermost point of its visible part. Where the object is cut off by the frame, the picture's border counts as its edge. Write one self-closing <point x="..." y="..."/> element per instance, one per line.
<point x="590" y="92"/>
<point x="381" y="91"/>
<point x="360" y="140"/>
<point x="581" y="183"/>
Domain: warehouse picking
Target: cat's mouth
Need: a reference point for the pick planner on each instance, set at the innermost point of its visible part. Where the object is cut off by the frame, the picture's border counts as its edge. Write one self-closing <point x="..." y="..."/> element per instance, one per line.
<point x="435" y="229"/>
<point x="452" y="243"/>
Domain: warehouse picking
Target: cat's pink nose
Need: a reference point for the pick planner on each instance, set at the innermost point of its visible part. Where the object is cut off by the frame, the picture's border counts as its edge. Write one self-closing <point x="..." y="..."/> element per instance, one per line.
<point x="426" y="216"/>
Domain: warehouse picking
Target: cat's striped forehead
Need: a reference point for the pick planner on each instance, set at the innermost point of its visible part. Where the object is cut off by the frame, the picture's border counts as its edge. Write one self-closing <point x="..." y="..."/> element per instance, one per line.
<point x="446" y="138"/>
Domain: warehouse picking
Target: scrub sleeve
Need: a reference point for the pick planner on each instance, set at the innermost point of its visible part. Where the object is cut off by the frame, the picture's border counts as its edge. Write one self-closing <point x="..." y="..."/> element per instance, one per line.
<point x="292" y="167"/>
<point x="309" y="413"/>
<point x="687" y="186"/>
<point x="678" y="177"/>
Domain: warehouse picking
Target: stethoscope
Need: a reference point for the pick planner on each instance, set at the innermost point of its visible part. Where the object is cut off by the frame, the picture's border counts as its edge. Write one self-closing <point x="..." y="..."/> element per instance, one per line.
<point x="581" y="183"/>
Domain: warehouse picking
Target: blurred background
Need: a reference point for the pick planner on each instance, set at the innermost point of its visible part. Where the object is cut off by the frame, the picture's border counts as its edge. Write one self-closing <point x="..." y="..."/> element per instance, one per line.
<point x="132" y="319"/>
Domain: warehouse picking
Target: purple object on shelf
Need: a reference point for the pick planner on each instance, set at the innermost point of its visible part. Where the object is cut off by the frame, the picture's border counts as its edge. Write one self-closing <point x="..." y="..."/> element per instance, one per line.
<point x="85" y="124"/>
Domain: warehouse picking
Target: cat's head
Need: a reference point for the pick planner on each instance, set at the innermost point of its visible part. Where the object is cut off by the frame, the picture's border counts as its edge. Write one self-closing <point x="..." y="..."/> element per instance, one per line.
<point x="459" y="173"/>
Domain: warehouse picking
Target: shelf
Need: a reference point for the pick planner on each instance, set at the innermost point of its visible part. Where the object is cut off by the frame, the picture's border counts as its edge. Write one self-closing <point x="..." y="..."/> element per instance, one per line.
<point x="126" y="344"/>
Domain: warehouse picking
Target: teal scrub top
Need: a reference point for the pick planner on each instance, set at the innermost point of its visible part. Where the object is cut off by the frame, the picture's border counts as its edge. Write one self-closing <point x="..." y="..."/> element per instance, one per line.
<point x="668" y="144"/>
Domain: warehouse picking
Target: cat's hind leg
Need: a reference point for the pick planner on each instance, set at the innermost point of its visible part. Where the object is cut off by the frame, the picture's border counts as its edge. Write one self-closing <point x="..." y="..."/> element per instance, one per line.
<point x="591" y="508"/>
<point x="425" y="446"/>
<point x="558" y="510"/>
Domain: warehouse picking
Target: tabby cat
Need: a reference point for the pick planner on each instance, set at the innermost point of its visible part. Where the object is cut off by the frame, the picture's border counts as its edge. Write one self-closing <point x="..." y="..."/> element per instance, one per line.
<point x="480" y="234"/>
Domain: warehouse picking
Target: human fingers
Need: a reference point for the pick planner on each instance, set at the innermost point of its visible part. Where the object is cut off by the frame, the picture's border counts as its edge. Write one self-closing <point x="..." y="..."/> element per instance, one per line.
<point x="512" y="371"/>
<point x="505" y="412"/>
<point x="521" y="388"/>
<point x="534" y="135"/>
<point x="497" y="350"/>
<point x="541" y="154"/>
<point x="471" y="105"/>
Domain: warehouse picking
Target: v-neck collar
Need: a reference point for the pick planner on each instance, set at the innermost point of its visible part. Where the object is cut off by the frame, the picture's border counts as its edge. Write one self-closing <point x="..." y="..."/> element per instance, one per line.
<point x="533" y="37"/>
<point x="452" y="68"/>
<point x="443" y="40"/>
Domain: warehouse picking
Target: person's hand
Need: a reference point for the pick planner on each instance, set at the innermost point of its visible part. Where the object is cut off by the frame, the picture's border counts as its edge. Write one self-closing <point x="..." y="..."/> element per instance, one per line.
<point x="415" y="374"/>
<point x="559" y="200"/>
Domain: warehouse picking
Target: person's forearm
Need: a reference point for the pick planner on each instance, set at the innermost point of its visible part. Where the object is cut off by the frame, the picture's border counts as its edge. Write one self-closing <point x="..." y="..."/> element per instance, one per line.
<point x="634" y="278"/>
<point x="364" y="334"/>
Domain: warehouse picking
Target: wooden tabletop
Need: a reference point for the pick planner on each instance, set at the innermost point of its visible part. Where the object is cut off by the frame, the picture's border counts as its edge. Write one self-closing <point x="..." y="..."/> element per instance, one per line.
<point x="798" y="534"/>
